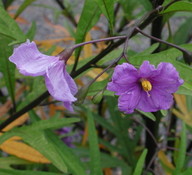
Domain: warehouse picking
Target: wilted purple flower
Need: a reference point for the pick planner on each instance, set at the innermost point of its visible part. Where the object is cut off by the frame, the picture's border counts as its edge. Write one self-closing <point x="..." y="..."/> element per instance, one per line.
<point x="31" y="62"/>
<point x="148" y="88"/>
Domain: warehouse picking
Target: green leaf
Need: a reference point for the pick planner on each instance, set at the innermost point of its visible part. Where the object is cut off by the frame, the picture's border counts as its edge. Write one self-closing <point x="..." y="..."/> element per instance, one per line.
<point x="107" y="8"/>
<point x="31" y="32"/>
<point x="11" y="26"/>
<point x="35" y="92"/>
<point x="7" y="68"/>
<point x="6" y="32"/>
<point x="106" y="124"/>
<point x="48" y="143"/>
<point x="1" y="3"/>
<point x="146" y="4"/>
<point x="128" y="8"/>
<point x="140" y="163"/>
<point x="178" y="6"/>
<point x="110" y="147"/>
<point x="24" y="172"/>
<point x="187" y="172"/>
<point x="93" y="146"/>
<point x="182" y="34"/>
<point x="52" y="123"/>
<point x="148" y="114"/>
<point x="111" y="56"/>
<point x="107" y="160"/>
<point x="96" y="87"/>
<point x="22" y="7"/>
<point x="180" y="160"/>
<point x="6" y="162"/>
<point x="71" y="160"/>
<point x="89" y="17"/>
<point x="121" y="125"/>
<point x="149" y="50"/>
<point x="185" y="89"/>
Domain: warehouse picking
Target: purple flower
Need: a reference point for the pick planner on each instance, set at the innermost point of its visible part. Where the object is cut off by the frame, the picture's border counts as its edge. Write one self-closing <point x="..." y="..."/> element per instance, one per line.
<point x="69" y="137"/>
<point x="148" y="88"/>
<point x="68" y="140"/>
<point x="31" y="62"/>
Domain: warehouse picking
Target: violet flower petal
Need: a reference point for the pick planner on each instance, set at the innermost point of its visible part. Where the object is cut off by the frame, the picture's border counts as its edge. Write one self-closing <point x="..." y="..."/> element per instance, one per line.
<point x="71" y="83"/>
<point x="124" y="77"/>
<point x="168" y="78"/>
<point x="58" y="85"/>
<point x="129" y="101"/>
<point x="147" y="70"/>
<point x="157" y="100"/>
<point x="30" y="61"/>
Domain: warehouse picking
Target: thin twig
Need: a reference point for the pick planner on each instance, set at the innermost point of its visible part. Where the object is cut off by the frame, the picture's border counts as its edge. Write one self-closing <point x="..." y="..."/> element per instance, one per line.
<point x="99" y="40"/>
<point x="161" y="41"/>
<point x="150" y="133"/>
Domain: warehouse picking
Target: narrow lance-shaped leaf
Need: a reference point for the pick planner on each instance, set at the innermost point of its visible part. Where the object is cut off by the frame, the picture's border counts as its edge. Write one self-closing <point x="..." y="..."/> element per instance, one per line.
<point x="89" y="17"/>
<point x="6" y="162"/>
<point x="140" y="163"/>
<point x="178" y="6"/>
<point x="48" y="144"/>
<point x="71" y="160"/>
<point x="180" y="161"/>
<point x="107" y="8"/>
<point x="31" y="32"/>
<point x="93" y="146"/>
<point x="7" y="68"/>
<point x="12" y="26"/>
<point x="22" y="7"/>
<point x="24" y="172"/>
<point x="182" y="34"/>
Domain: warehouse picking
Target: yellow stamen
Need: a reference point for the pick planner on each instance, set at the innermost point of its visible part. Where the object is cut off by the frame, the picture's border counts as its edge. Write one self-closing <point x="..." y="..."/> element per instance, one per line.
<point x="146" y="85"/>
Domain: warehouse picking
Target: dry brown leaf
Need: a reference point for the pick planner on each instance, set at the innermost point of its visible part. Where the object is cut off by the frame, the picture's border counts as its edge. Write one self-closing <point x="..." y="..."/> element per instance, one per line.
<point x="164" y="159"/>
<point x="94" y="72"/>
<point x="52" y="110"/>
<point x="108" y="171"/>
<point x="85" y="135"/>
<point x="50" y="42"/>
<point x="14" y="146"/>
<point x="23" y="151"/>
<point x="5" y="108"/>
<point x="181" y="102"/>
<point x="87" y="49"/>
<point x="100" y="46"/>
<point x="17" y="122"/>
<point x="183" y="113"/>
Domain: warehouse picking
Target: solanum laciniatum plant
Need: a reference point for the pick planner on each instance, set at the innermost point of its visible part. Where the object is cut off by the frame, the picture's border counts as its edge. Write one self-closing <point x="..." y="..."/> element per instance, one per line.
<point x="95" y="87"/>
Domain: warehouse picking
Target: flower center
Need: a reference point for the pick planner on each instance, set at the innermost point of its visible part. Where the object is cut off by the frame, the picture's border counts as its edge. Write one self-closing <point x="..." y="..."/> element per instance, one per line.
<point x="146" y="85"/>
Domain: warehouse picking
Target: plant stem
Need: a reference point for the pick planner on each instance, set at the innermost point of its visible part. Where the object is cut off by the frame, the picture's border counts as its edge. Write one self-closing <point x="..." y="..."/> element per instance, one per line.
<point x="161" y="41"/>
<point x="98" y="40"/>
